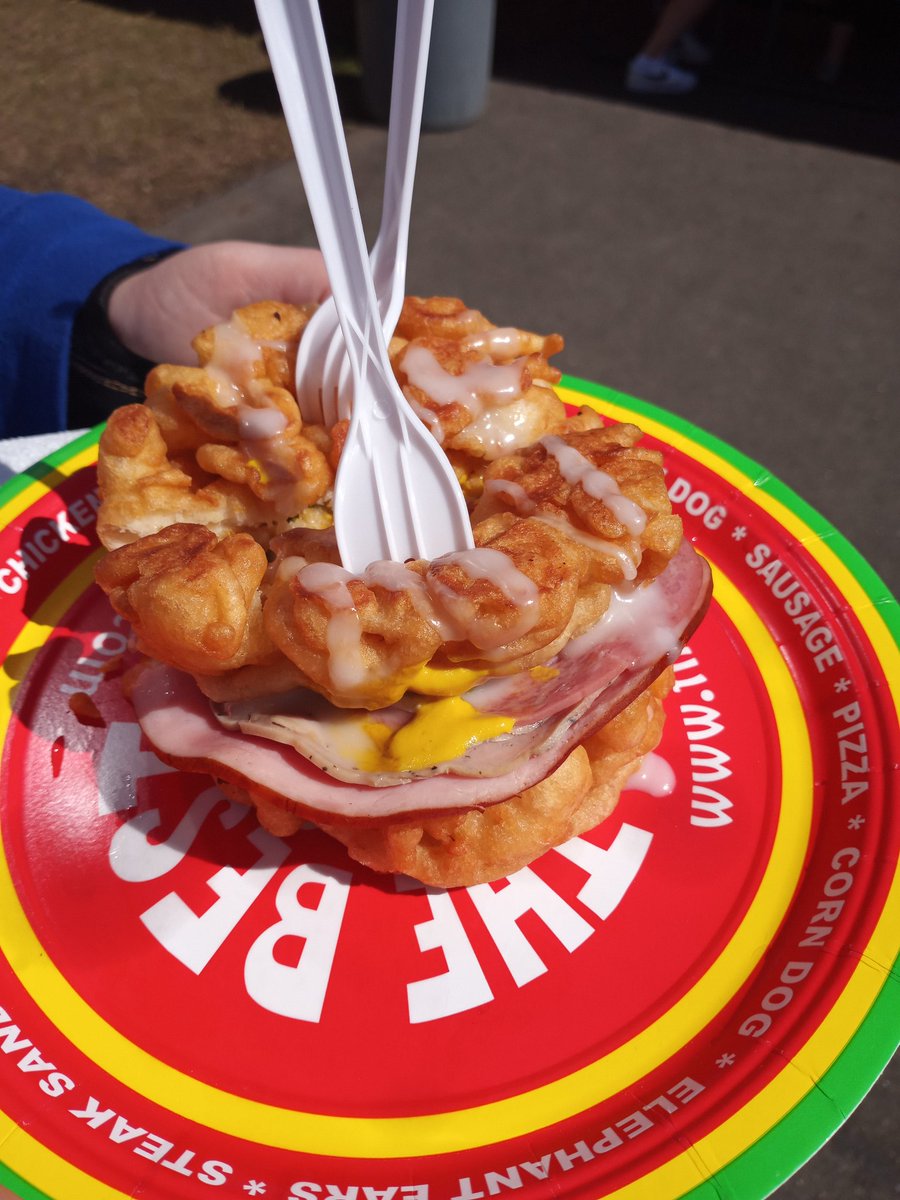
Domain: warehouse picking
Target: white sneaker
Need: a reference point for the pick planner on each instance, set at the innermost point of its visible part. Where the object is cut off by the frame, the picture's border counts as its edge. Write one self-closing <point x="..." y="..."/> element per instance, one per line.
<point x="658" y="75"/>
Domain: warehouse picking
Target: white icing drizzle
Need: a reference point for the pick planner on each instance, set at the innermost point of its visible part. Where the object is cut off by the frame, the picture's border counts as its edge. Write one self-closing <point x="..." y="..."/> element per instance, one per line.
<point x="502" y="382"/>
<point x="501" y="430"/>
<point x="526" y="507"/>
<point x="638" y="615"/>
<point x="500" y="342"/>
<point x="289" y="567"/>
<point x="395" y="577"/>
<point x="486" y="563"/>
<point x="430" y="419"/>
<point x="232" y="368"/>
<point x="575" y="469"/>
<point x="626" y="561"/>
<point x="235" y="354"/>
<point x="468" y="316"/>
<point x="392" y="576"/>
<point x="454" y="616"/>
<point x="521" y="501"/>
<point x="261" y="424"/>
<point x="483" y="562"/>
<point x="343" y="635"/>
<point x="654" y="776"/>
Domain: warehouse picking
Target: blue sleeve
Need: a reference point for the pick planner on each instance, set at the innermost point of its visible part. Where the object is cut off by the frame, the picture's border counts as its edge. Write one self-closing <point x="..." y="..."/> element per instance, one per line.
<point x="54" y="250"/>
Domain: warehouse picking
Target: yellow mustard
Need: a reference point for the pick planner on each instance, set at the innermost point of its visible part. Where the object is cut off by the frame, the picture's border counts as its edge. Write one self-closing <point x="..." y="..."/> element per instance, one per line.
<point x="542" y="674"/>
<point x="261" y="470"/>
<point x="443" y="681"/>
<point x="440" y="731"/>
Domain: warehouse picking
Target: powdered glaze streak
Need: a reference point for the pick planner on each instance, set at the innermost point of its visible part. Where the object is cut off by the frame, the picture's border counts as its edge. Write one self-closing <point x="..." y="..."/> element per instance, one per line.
<point x="627" y="560"/>
<point x="260" y="424"/>
<point x="479" y="383"/>
<point x="485" y="563"/>
<point x="654" y="777"/>
<point x="503" y="343"/>
<point x="526" y="507"/>
<point x="454" y="616"/>
<point x="343" y="635"/>
<point x="575" y="469"/>
<point x="287" y="568"/>
<point x="502" y="429"/>
<point x="429" y="419"/>
<point x="639" y="615"/>
<point x="234" y="358"/>
<point x="395" y="577"/>
<point x="521" y="501"/>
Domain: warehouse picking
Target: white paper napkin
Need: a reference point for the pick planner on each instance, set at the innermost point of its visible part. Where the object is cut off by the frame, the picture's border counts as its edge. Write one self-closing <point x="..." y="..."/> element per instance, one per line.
<point x="16" y="454"/>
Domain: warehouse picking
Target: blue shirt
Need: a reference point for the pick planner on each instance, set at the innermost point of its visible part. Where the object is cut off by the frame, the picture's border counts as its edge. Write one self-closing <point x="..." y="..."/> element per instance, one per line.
<point x="54" y="250"/>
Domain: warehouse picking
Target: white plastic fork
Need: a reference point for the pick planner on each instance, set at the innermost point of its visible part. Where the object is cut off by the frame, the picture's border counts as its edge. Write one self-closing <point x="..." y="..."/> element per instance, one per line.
<point x="323" y="369"/>
<point x="396" y="495"/>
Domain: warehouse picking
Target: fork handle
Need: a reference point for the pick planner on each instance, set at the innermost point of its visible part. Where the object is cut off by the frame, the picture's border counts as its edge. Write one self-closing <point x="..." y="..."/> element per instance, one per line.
<point x="298" y="52"/>
<point x="388" y="260"/>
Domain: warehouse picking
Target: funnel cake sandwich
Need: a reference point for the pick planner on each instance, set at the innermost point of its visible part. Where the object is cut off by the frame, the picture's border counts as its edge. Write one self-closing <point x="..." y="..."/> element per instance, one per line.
<point x="449" y="720"/>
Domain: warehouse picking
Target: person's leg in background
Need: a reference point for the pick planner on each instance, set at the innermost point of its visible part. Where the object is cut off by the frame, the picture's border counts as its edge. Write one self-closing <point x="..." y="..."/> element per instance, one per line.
<point x="651" y="70"/>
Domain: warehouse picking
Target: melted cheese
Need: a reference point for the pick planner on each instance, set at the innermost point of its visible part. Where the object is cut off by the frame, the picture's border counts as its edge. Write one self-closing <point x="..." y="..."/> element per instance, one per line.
<point x="441" y="731"/>
<point x="443" y="681"/>
<point x="264" y="476"/>
<point x="543" y="673"/>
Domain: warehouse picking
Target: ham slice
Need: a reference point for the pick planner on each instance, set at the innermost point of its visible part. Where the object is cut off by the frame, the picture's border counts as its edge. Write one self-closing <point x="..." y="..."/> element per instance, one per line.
<point x="597" y="676"/>
<point x="641" y="625"/>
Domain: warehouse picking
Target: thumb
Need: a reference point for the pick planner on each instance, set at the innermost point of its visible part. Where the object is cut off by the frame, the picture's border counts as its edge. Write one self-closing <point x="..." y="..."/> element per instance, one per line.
<point x="258" y="271"/>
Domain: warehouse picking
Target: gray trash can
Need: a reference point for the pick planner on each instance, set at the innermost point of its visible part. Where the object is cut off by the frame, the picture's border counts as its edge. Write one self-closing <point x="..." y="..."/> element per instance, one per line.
<point x="459" y="60"/>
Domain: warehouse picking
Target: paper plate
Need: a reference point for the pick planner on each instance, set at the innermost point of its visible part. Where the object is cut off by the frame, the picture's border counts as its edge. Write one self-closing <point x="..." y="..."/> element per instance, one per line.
<point x="685" y="1002"/>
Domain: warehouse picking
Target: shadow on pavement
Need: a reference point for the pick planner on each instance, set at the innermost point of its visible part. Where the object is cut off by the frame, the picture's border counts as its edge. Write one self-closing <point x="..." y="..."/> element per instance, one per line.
<point x="241" y="14"/>
<point x="765" y="55"/>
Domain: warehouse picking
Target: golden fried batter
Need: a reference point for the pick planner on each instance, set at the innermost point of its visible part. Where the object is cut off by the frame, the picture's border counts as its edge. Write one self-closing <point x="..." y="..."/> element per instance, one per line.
<point x="255" y="679"/>
<point x="448" y="317"/>
<point x="144" y="489"/>
<point x="438" y="316"/>
<point x="537" y="412"/>
<point x="598" y="486"/>
<point x="192" y="600"/>
<point x="358" y="642"/>
<point x="503" y="632"/>
<point x="222" y="443"/>
<point x="312" y="545"/>
<point x="567" y="509"/>
<point x="289" y="472"/>
<point x="274" y="327"/>
<point x="476" y="404"/>
<point x="359" y="639"/>
<point x="240" y="360"/>
<point x="481" y="389"/>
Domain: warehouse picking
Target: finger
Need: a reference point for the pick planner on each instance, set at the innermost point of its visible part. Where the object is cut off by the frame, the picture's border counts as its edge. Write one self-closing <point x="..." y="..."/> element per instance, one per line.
<point x="294" y="274"/>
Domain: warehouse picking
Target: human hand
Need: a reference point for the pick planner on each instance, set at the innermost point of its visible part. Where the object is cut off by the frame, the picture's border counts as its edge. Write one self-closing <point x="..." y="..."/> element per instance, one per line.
<point x="156" y="312"/>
